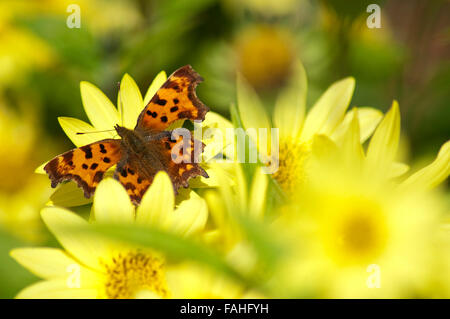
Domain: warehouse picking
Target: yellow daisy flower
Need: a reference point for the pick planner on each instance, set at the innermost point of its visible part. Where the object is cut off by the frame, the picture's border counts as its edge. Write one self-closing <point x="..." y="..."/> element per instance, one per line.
<point x="362" y="233"/>
<point x="90" y="267"/>
<point x="296" y="128"/>
<point x="103" y="116"/>
<point x="22" y="193"/>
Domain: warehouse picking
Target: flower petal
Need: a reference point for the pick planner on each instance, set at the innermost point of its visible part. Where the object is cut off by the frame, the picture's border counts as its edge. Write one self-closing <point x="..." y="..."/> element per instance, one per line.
<point x="368" y="118"/>
<point x="384" y="142"/>
<point x="289" y="110"/>
<point x="130" y="102"/>
<point x="213" y="119"/>
<point x="68" y="195"/>
<point x="85" y="248"/>
<point x="329" y="110"/>
<point x="112" y="203"/>
<point x="258" y="194"/>
<point x="48" y="263"/>
<point x="351" y="143"/>
<point x="40" y="169"/>
<point x="72" y="126"/>
<point x="56" y="289"/>
<point x="157" y="82"/>
<point x="398" y="169"/>
<point x="435" y="173"/>
<point x="99" y="109"/>
<point x="212" y="180"/>
<point x="253" y="114"/>
<point x="190" y="217"/>
<point x="157" y="203"/>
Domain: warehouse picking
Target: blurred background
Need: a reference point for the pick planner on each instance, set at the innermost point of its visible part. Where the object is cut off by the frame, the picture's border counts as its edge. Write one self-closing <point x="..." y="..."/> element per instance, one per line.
<point x="42" y="62"/>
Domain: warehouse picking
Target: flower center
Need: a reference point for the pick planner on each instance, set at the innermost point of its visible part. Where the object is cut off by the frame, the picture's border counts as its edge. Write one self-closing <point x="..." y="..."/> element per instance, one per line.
<point x="127" y="275"/>
<point x="292" y="161"/>
<point x="361" y="237"/>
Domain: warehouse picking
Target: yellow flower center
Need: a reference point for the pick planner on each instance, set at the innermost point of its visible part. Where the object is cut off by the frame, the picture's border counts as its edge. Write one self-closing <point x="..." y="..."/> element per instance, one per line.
<point x="292" y="165"/>
<point x="128" y="275"/>
<point x="264" y="55"/>
<point x="357" y="236"/>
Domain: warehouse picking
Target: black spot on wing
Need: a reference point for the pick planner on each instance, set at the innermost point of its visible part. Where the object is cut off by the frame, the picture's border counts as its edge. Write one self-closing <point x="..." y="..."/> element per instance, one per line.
<point x="87" y="151"/>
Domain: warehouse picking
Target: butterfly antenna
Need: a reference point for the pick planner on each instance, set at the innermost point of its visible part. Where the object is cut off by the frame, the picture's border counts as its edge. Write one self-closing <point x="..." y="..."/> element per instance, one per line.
<point x="81" y="133"/>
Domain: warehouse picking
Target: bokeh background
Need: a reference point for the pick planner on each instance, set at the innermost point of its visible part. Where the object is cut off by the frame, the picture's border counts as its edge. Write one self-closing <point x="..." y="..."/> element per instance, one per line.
<point x="42" y="62"/>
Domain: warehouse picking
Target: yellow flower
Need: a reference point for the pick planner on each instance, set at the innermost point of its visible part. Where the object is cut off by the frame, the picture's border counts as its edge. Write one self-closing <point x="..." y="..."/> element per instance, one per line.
<point x="22" y="194"/>
<point x="89" y="267"/>
<point x="362" y="233"/>
<point x="296" y="129"/>
<point x="103" y="116"/>
<point x="265" y="55"/>
<point x="21" y="50"/>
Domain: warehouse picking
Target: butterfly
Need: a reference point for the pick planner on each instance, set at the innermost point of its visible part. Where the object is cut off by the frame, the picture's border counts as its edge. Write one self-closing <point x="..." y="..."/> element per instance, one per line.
<point x="140" y="153"/>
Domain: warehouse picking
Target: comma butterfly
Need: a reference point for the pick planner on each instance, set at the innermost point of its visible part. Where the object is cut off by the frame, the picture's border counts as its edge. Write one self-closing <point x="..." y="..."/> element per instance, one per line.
<point x="142" y="152"/>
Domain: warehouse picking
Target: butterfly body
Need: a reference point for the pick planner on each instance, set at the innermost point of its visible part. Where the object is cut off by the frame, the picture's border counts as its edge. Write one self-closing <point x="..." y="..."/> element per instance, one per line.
<point x="143" y="149"/>
<point x="140" y="153"/>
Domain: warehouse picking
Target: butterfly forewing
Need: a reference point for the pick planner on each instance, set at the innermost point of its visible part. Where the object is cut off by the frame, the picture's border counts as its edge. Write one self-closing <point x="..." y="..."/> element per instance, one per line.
<point x="85" y="165"/>
<point x="175" y="100"/>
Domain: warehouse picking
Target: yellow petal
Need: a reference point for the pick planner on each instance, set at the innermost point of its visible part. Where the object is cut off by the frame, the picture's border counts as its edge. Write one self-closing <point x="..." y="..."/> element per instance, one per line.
<point x="130" y="102"/>
<point x="212" y="180"/>
<point x="48" y="263"/>
<point x="241" y="187"/>
<point x="435" y="173"/>
<point x="112" y="203"/>
<point x="352" y="150"/>
<point x="324" y="149"/>
<point x="56" y="289"/>
<point x="68" y="195"/>
<point x="329" y="110"/>
<point x="290" y="106"/>
<point x="226" y="193"/>
<point x="368" y="118"/>
<point x="251" y="110"/>
<point x="213" y="119"/>
<point x="397" y="169"/>
<point x="157" y="203"/>
<point x="72" y="126"/>
<point x="190" y="217"/>
<point x="258" y="194"/>
<point x="384" y="142"/>
<point x="68" y="227"/>
<point x="217" y="211"/>
<point x="99" y="109"/>
<point x="158" y="81"/>
<point x="40" y="169"/>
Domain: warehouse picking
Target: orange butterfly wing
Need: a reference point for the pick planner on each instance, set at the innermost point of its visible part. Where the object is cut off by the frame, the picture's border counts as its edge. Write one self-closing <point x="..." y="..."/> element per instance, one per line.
<point x="133" y="180"/>
<point x="176" y="99"/>
<point x="86" y="165"/>
<point x="182" y="160"/>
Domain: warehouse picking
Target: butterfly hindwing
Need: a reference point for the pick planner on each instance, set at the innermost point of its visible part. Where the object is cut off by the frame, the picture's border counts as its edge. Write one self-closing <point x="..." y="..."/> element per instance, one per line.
<point x="182" y="160"/>
<point x="86" y="165"/>
<point x="175" y="100"/>
<point x="133" y="180"/>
